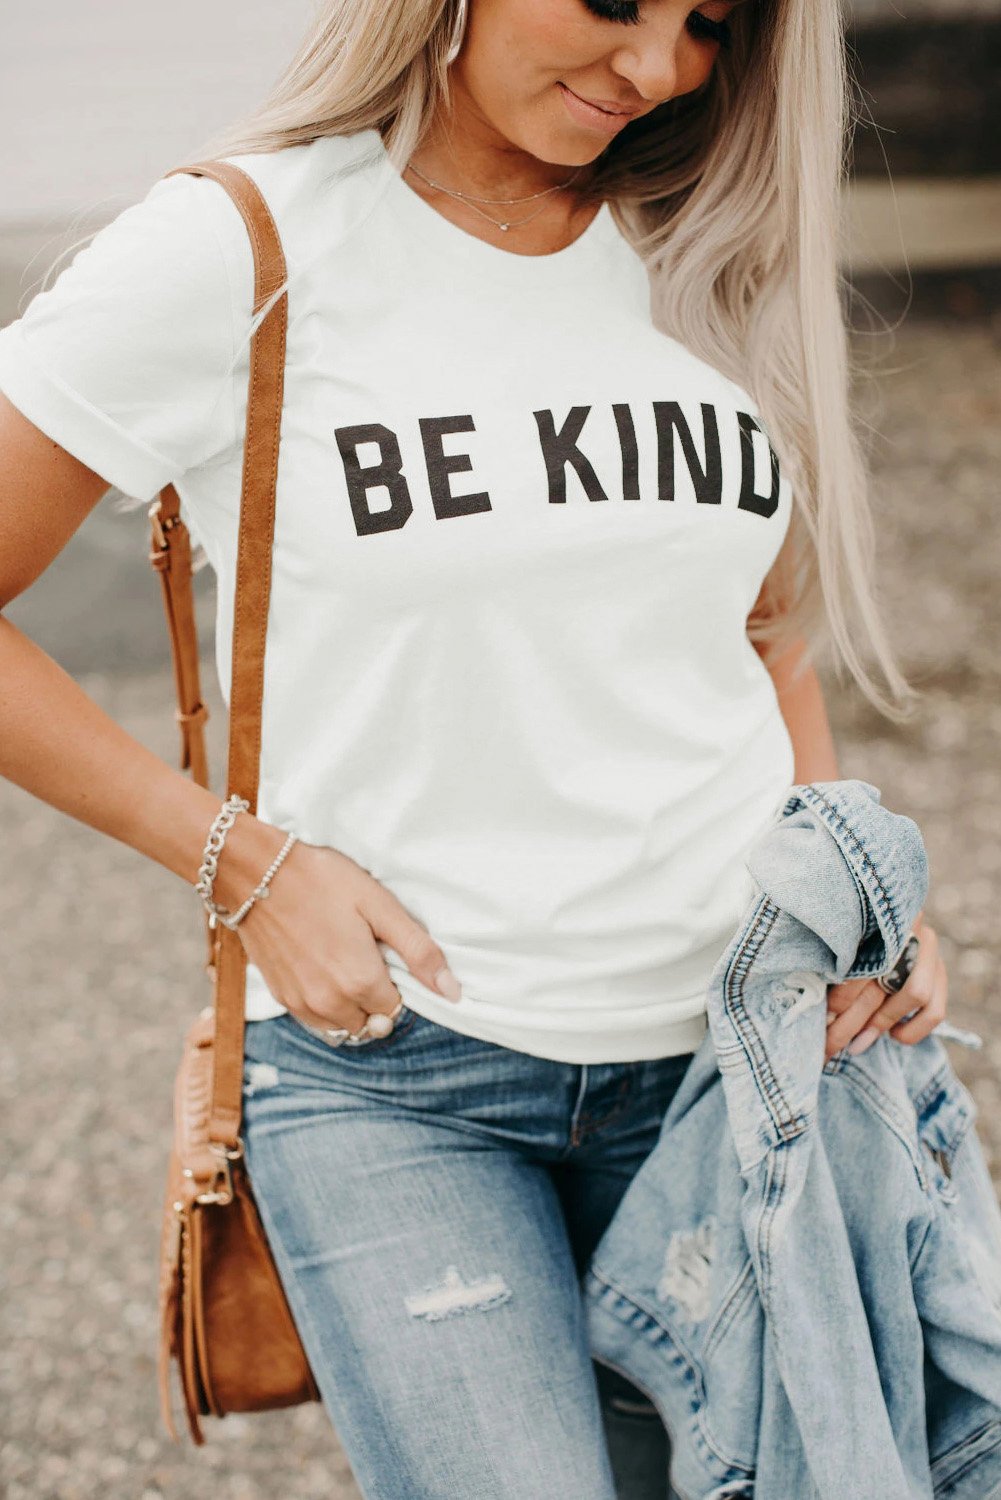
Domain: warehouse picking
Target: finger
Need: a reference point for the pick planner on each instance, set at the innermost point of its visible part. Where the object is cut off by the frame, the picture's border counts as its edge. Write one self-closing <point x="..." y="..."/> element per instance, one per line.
<point x="849" y="1022"/>
<point x="877" y="1012"/>
<point x="315" y="1002"/>
<point x="342" y="990"/>
<point x="917" y="990"/>
<point x="841" y="996"/>
<point x="924" y="1023"/>
<point x="391" y="923"/>
<point x="359" y="977"/>
<point x="328" y="1009"/>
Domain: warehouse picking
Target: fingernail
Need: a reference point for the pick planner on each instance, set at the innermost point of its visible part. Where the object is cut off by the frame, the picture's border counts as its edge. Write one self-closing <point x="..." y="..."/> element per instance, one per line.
<point x="863" y="1040"/>
<point x="832" y="1015"/>
<point x="448" y="985"/>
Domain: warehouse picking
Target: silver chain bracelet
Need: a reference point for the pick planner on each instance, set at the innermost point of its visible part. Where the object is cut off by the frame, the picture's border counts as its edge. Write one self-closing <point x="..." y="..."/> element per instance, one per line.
<point x="221" y="824"/>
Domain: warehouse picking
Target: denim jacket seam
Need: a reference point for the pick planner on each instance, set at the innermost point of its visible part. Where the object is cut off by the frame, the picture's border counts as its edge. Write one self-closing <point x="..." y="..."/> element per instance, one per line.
<point x="787" y="1123"/>
<point x="694" y="1368"/>
<point x="639" y="1303"/>
<point x="969" y="1440"/>
<point x="771" y="1198"/>
<point x="708" y="1437"/>
<point x="847" y="833"/>
<point x="741" y="1289"/>
<point x="880" y="1103"/>
<point x="919" y="1250"/>
<point x="762" y="921"/>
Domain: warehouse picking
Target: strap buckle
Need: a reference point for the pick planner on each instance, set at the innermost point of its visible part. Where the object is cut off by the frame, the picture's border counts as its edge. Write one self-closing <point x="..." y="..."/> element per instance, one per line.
<point x="160" y="526"/>
<point x="221" y="1189"/>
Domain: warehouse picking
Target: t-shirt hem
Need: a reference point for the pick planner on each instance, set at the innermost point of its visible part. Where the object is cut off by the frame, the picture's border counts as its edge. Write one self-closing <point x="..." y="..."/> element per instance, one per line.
<point x="631" y="1043"/>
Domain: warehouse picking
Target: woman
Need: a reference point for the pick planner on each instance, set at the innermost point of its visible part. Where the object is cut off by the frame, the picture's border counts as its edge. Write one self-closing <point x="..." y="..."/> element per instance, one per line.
<point x="568" y="492"/>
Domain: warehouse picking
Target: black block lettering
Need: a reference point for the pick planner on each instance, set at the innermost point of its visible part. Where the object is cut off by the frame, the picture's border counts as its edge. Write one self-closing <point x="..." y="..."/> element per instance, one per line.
<point x="560" y="448"/>
<point x="387" y="473"/>
<point x="630" y="455"/>
<point x="441" y="464"/>
<point x="762" y="505"/>
<point x="707" y="482"/>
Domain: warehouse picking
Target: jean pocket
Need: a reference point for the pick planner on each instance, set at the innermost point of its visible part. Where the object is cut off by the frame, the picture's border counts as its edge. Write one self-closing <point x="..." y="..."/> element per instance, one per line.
<point x="406" y="1020"/>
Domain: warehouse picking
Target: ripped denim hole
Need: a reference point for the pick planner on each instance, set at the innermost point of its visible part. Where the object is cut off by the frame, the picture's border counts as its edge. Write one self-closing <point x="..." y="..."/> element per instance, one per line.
<point x="687" y="1269"/>
<point x="453" y="1296"/>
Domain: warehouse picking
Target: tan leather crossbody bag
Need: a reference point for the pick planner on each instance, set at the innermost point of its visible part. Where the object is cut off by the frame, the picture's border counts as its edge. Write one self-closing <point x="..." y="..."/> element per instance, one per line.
<point x="224" y="1319"/>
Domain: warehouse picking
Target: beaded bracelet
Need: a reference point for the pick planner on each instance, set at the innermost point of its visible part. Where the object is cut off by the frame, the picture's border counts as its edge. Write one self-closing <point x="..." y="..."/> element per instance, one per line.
<point x="221" y="824"/>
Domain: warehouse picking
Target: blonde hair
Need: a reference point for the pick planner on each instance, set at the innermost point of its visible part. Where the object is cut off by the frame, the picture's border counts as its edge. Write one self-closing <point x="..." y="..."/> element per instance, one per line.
<point x="732" y="195"/>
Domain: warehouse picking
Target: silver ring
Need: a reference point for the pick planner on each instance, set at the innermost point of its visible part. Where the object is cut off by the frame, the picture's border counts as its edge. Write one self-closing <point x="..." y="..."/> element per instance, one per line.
<point x="339" y="1036"/>
<point x="897" y="977"/>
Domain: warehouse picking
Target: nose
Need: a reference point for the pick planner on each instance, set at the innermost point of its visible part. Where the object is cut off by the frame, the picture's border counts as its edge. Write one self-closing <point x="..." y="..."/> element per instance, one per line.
<point x="648" y="59"/>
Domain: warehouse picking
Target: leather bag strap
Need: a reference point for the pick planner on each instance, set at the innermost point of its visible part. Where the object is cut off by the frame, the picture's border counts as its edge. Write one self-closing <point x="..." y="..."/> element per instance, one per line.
<point x="170" y="554"/>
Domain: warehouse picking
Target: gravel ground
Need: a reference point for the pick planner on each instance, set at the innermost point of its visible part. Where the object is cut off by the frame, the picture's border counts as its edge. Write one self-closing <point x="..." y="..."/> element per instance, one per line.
<point x="90" y="1050"/>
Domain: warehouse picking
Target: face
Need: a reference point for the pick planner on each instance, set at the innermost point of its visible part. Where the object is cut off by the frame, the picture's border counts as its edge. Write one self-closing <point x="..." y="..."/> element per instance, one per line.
<point x="560" y="78"/>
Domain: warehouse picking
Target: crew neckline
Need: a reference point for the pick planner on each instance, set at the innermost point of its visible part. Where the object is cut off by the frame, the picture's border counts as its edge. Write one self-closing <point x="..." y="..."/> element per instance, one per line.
<point x="434" y="228"/>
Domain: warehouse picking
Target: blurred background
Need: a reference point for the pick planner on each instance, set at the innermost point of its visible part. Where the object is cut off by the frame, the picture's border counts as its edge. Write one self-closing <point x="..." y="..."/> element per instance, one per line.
<point x="101" y="951"/>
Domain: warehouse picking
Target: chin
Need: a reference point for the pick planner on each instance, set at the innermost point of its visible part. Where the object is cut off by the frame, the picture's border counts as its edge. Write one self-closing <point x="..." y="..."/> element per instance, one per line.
<point x="560" y="147"/>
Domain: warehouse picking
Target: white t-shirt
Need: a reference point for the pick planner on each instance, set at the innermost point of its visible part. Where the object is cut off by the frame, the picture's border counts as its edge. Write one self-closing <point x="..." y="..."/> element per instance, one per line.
<point x="519" y="531"/>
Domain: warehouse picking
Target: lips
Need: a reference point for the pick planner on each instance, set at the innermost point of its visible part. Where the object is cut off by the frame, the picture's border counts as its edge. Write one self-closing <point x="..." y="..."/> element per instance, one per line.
<point x="609" y="106"/>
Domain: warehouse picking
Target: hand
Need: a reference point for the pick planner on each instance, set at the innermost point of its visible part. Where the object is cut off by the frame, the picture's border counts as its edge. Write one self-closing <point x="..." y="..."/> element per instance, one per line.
<point x="315" y="937"/>
<point x="863" y="1011"/>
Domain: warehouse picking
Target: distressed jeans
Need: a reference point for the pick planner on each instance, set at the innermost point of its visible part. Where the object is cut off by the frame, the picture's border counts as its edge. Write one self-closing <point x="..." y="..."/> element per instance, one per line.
<point x="431" y="1202"/>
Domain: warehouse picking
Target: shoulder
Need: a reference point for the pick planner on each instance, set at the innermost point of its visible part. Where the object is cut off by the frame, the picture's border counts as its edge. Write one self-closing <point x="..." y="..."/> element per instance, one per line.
<point x="317" y="193"/>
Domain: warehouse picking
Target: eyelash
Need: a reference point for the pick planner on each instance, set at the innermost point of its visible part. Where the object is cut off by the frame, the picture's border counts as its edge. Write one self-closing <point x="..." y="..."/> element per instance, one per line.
<point x="627" y="11"/>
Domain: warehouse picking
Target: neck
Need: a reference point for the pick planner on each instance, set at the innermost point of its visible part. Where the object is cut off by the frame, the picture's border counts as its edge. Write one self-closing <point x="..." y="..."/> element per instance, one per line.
<point x="463" y="151"/>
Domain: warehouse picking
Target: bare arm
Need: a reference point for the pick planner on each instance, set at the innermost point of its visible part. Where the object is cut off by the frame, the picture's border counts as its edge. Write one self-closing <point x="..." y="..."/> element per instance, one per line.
<point x="858" y="1010"/>
<point x="55" y="742"/>
<point x="805" y="714"/>
<point x="58" y="745"/>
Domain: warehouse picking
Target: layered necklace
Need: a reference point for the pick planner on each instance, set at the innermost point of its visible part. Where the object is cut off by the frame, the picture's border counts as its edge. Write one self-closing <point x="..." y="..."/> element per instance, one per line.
<point x="473" y="201"/>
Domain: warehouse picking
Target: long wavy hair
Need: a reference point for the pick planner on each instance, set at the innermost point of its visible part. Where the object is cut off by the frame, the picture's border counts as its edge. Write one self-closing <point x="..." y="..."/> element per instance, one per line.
<point x="733" y="196"/>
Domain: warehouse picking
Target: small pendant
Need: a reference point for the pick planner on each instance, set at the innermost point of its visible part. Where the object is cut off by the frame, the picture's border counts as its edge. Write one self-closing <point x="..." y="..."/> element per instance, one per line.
<point x="505" y="226"/>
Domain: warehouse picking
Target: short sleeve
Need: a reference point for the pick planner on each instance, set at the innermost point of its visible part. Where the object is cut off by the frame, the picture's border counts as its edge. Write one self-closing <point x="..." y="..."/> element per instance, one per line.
<point x="127" y="360"/>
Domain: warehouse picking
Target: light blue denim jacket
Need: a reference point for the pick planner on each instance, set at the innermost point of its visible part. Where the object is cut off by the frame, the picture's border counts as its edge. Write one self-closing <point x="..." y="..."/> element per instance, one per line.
<point x="805" y="1273"/>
